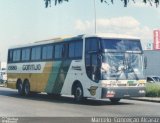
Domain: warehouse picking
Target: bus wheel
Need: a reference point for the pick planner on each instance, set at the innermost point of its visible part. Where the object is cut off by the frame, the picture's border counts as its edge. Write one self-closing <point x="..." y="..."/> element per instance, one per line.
<point x="78" y="93"/>
<point x="115" y="100"/>
<point x="20" y="88"/>
<point x="26" y="88"/>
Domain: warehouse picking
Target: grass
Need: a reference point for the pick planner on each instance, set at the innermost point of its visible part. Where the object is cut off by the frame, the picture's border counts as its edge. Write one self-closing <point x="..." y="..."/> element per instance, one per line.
<point x="152" y="90"/>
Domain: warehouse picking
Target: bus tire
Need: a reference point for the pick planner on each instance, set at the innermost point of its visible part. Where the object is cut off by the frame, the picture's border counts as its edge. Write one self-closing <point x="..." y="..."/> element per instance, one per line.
<point x="26" y="88"/>
<point x="115" y="100"/>
<point x="20" y="88"/>
<point x="78" y="93"/>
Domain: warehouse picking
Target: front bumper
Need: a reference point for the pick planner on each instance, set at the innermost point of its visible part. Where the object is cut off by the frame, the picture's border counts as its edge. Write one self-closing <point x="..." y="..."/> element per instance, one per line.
<point x="121" y="92"/>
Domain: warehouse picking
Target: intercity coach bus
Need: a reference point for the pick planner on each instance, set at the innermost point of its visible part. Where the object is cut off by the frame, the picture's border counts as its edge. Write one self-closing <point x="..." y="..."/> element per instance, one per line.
<point x="86" y="66"/>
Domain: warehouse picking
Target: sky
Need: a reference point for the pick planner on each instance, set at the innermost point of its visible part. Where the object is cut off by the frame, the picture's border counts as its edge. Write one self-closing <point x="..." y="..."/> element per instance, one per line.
<point x="26" y="21"/>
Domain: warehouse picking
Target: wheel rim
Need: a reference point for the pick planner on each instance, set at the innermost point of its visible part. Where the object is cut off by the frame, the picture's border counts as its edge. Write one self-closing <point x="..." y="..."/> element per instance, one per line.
<point x="78" y="93"/>
<point x="27" y="89"/>
<point x="20" y="88"/>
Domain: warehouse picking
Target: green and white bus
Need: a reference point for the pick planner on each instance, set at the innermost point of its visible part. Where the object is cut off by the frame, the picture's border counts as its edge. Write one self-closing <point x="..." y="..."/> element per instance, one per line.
<point x="86" y="66"/>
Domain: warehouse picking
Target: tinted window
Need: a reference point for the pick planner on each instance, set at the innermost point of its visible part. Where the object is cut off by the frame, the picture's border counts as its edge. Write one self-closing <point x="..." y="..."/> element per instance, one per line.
<point x="92" y="44"/>
<point x="47" y="52"/>
<point x="78" y="49"/>
<point x="91" y="59"/>
<point x="71" y="50"/>
<point x="75" y="49"/>
<point x="58" y="51"/>
<point x="36" y="53"/>
<point x="16" y="55"/>
<point x="92" y="66"/>
<point x="26" y="54"/>
<point x="88" y="65"/>
<point x="10" y="56"/>
<point x="121" y="45"/>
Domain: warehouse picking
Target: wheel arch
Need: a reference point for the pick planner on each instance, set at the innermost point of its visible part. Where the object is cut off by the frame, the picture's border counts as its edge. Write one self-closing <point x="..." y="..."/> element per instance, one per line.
<point x="76" y="82"/>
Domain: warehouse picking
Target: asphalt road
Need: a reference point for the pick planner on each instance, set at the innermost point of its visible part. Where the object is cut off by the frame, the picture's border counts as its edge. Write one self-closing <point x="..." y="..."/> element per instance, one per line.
<point x="41" y="105"/>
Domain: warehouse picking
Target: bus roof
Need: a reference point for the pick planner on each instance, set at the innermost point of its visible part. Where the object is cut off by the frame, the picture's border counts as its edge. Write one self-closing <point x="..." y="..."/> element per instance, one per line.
<point x="113" y="35"/>
<point x="68" y="38"/>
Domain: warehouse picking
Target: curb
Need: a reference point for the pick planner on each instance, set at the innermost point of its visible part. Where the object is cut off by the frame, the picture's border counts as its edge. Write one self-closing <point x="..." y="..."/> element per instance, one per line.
<point x="146" y="99"/>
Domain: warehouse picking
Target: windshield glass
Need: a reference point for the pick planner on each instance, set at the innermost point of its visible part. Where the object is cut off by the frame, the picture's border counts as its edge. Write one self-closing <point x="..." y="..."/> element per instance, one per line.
<point x="121" y="45"/>
<point x="122" y="66"/>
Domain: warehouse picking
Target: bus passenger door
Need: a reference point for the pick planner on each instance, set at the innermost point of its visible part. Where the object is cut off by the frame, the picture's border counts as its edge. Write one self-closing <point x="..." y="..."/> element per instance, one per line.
<point x="92" y="65"/>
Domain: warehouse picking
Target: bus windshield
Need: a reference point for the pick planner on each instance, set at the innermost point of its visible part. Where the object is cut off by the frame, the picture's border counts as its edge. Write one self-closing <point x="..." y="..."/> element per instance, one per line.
<point x="121" y="59"/>
<point x="122" y="66"/>
<point x="121" y="45"/>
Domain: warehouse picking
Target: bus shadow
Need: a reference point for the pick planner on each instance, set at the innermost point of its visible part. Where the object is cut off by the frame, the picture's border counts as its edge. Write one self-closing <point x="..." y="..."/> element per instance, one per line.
<point x="61" y="99"/>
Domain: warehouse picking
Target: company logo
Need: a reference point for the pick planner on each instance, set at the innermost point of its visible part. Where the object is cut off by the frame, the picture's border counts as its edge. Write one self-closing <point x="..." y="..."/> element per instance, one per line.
<point x="92" y="90"/>
<point x="31" y="67"/>
<point x="12" y="67"/>
<point x="77" y="68"/>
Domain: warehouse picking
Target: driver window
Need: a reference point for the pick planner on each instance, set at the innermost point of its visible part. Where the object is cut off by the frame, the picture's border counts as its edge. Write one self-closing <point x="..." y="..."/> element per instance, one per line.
<point x="91" y="59"/>
<point x="95" y="68"/>
<point x="92" y="44"/>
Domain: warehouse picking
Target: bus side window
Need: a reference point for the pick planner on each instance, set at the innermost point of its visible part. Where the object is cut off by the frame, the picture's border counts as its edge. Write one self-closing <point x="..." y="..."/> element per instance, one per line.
<point x="92" y="44"/>
<point x="75" y="49"/>
<point x="26" y="54"/>
<point x="16" y="55"/>
<point x="71" y="53"/>
<point x="65" y="51"/>
<point x="78" y="49"/>
<point x="36" y="53"/>
<point x="10" y="56"/>
<point x="58" y="51"/>
<point x="47" y="52"/>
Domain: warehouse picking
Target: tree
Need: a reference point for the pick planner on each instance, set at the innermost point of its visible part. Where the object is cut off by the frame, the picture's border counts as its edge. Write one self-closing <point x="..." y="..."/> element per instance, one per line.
<point x="156" y="2"/>
<point x="48" y="2"/>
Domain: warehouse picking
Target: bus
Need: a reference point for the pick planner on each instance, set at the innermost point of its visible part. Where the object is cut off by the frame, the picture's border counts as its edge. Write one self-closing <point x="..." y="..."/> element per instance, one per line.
<point x="97" y="66"/>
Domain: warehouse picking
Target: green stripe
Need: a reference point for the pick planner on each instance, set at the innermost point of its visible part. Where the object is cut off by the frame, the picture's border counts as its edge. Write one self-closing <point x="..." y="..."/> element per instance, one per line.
<point x="53" y="75"/>
<point x="57" y="76"/>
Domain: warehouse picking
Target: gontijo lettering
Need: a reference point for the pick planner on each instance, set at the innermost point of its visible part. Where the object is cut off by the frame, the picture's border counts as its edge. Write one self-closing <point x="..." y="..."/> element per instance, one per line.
<point x="31" y="67"/>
